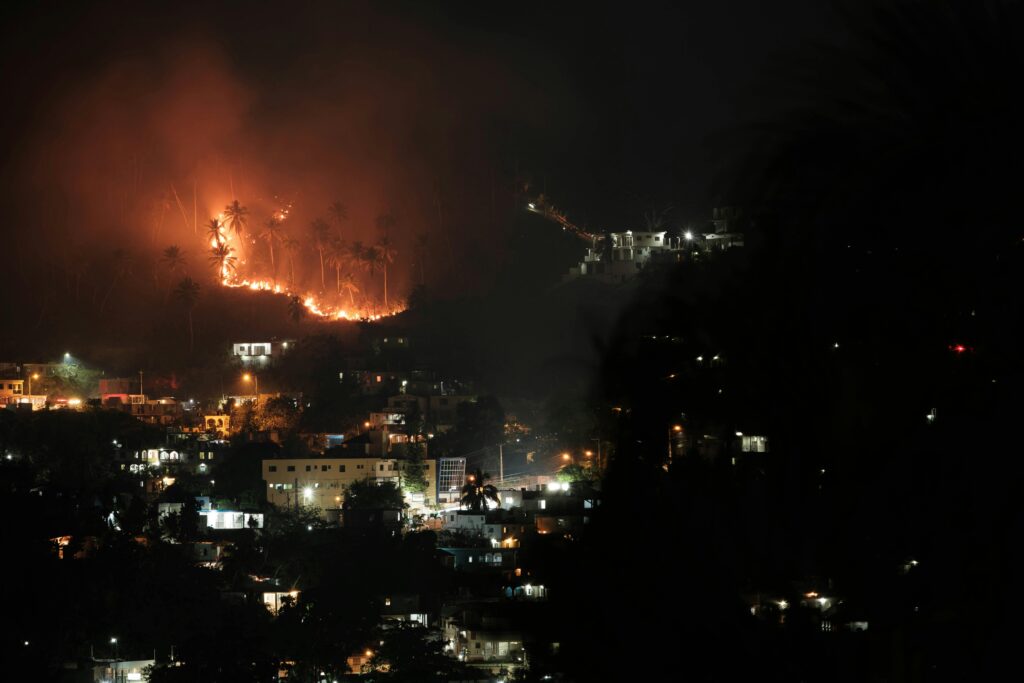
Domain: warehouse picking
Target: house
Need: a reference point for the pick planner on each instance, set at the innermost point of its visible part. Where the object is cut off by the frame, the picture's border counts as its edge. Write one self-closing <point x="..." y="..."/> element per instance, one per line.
<point x="261" y="352"/>
<point x="403" y="608"/>
<point x="479" y="559"/>
<point x="487" y="636"/>
<point x="498" y="526"/>
<point x="11" y="391"/>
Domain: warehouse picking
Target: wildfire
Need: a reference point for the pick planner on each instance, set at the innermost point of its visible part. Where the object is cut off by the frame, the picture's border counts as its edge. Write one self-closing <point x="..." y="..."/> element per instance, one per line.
<point x="314" y="305"/>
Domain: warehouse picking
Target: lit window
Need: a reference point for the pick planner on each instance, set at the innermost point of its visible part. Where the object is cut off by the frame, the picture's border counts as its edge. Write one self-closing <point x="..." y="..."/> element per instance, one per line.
<point x="543" y="505"/>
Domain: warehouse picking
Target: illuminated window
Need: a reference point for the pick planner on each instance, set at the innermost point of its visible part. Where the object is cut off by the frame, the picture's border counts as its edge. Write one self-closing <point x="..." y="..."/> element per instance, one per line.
<point x="543" y="504"/>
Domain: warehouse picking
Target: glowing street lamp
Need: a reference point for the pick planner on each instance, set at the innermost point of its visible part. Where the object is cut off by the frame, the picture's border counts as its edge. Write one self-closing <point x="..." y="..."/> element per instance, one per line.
<point x="567" y="457"/>
<point x="252" y="377"/>
<point x="688" y="236"/>
<point x="676" y="429"/>
<point x="34" y="375"/>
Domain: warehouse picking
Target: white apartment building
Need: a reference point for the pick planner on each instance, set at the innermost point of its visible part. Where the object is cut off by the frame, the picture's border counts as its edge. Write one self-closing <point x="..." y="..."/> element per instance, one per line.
<point x="322" y="482"/>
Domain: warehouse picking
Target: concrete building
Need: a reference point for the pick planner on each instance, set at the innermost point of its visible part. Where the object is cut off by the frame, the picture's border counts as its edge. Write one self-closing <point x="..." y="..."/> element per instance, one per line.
<point x="321" y="482"/>
<point x="261" y="352"/>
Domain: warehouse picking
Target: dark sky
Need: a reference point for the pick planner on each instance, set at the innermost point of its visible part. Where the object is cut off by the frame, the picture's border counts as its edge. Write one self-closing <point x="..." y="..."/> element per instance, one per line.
<point x="607" y="107"/>
<point x="436" y="113"/>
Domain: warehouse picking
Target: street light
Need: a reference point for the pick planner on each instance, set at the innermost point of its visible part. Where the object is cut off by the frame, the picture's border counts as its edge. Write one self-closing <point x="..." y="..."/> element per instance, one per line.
<point x="676" y="429"/>
<point x="252" y="377"/>
<point x="113" y="641"/>
<point x="567" y="457"/>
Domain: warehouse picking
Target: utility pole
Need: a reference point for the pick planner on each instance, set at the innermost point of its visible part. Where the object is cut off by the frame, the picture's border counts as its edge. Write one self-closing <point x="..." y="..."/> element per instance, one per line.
<point x="501" y="463"/>
<point x="140" y="383"/>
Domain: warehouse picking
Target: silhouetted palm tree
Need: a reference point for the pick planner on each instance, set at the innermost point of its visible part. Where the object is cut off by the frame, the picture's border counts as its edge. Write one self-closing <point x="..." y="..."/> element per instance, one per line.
<point x="348" y="283"/>
<point x="321" y="234"/>
<point x="291" y="245"/>
<point x="386" y="254"/>
<point x="222" y="256"/>
<point x="338" y="213"/>
<point x="237" y="219"/>
<point x="337" y="258"/>
<point x="272" y="232"/>
<point x="187" y="293"/>
<point x="476" y="493"/>
<point x="215" y="231"/>
<point x="174" y="258"/>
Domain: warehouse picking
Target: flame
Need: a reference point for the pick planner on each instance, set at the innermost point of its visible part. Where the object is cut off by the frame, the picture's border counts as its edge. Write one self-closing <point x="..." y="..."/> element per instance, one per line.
<point x="315" y="306"/>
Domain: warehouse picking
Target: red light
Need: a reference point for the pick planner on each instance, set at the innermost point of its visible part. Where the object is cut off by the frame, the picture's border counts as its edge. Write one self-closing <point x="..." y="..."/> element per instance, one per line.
<point x="959" y="348"/>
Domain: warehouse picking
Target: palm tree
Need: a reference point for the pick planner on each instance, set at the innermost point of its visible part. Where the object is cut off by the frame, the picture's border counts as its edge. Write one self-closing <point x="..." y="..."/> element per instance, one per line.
<point x="174" y="258"/>
<point x="222" y="257"/>
<point x="272" y="233"/>
<point x="291" y="245"/>
<point x="187" y="293"/>
<point x="476" y="493"/>
<point x="338" y="213"/>
<point x="215" y="231"/>
<point x="337" y="258"/>
<point x="237" y="219"/>
<point x="348" y="283"/>
<point x="386" y="254"/>
<point x="321" y="234"/>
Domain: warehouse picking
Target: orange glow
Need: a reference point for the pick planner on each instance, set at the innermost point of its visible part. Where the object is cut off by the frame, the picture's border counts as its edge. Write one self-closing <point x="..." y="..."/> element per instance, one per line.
<point x="317" y="306"/>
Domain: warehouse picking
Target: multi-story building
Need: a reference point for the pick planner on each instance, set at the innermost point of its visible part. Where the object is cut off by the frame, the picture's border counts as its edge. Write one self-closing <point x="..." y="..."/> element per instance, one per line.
<point x="11" y="391"/>
<point x="451" y="476"/>
<point x="321" y="482"/>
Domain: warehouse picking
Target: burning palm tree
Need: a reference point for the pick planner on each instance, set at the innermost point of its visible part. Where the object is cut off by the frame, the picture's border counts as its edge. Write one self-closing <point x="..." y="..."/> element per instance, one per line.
<point x="187" y="294"/>
<point x="215" y="230"/>
<point x="237" y="219"/>
<point x="222" y="256"/>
